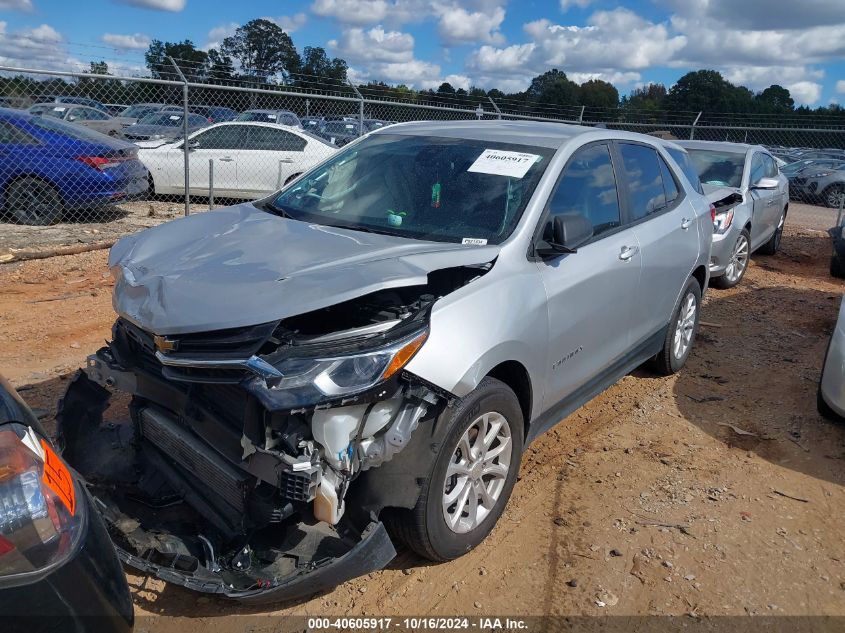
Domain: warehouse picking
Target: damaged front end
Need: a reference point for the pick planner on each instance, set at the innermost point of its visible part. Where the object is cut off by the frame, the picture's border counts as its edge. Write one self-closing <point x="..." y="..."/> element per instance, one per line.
<point x="254" y="462"/>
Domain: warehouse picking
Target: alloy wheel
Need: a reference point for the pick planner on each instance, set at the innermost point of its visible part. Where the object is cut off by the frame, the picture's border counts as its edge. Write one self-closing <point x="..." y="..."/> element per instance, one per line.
<point x="477" y="472"/>
<point x="834" y="197"/>
<point x="739" y="260"/>
<point x="685" y="326"/>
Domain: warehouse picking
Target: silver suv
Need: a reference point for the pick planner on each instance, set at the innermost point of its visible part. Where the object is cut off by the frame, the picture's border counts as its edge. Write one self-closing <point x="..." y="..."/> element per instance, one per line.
<point x="749" y="220"/>
<point x="376" y="345"/>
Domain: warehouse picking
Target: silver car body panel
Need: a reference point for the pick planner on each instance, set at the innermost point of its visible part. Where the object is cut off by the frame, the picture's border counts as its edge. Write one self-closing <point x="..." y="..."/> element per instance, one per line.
<point x="833" y="373"/>
<point x="171" y="279"/>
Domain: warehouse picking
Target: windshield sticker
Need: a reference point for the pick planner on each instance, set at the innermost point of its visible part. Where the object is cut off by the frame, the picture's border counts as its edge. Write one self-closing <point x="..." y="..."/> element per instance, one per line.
<point x="173" y="117"/>
<point x="59" y="109"/>
<point x="474" y="241"/>
<point x="501" y="163"/>
<point x="271" y="117"/>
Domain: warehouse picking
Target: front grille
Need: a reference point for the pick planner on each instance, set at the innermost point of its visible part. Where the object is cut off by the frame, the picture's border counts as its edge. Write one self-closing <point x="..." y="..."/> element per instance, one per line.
<point x="194" y="456"/>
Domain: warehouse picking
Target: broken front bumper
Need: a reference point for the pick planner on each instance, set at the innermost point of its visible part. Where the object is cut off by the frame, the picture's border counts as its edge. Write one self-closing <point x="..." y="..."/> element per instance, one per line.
<point x="287" y="560"/>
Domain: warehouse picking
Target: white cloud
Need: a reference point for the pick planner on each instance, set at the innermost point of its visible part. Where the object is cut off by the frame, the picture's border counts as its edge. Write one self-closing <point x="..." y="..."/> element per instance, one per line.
<point x="219" y="33"/>
<point x="840" y="86"/>
<point x="807" y="92"/>
<point x="374" y="46"/>
<point x="763" y="15"/>
<point x="290" y="23"/>
<point x="565" y="5"/>
<point x="625" y="79"/>
<point x="352" y="11"/>
<point x="457" y="25"/>
<point x="41" y="47"/>
<point x="158" y="5"/>
<point x="137" y="41"/>
<point x="16" y="5"/>
<point x="614" y="45"/>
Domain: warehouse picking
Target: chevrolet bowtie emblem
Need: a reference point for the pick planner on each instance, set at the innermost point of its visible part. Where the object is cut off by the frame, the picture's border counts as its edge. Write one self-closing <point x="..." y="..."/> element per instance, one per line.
<point x="164" y="344"/>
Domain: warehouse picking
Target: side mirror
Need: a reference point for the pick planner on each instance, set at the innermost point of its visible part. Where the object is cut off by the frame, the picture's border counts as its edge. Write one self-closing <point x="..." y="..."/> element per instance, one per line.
<point x="569" y="231"/>
<point x="193" y="144"/>
<point x="766" y="183"/>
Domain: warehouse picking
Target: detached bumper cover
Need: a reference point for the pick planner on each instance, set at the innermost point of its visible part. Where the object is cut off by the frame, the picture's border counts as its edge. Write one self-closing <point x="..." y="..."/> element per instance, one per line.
<point x="373" y="552"/>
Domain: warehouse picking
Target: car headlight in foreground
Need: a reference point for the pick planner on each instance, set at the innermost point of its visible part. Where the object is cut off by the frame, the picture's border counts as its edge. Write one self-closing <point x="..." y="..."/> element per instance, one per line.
<point x="722" y="221"/>
<point x="41" y="522"/>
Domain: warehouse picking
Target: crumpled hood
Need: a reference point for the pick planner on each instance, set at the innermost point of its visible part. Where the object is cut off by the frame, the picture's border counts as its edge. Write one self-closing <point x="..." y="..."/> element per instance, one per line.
<point x="241" y="266"/>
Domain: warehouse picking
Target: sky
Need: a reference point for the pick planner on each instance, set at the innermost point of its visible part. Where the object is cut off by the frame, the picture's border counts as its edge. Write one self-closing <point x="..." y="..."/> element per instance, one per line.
<point x="799" y="44"/>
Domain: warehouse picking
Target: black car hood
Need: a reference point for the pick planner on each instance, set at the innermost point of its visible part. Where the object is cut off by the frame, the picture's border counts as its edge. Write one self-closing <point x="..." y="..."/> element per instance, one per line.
<point x="241" y="266"/>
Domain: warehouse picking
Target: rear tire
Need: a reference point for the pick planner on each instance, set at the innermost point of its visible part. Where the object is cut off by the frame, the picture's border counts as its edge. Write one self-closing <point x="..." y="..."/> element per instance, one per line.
<point x="33" y="201"/>
<point x="771" y="247"/>
<point x="681" y="333"/>
<point x="451" y="516"/>
<point x="837" y="267"/>
<point x="739" y="263"/>
<point x="824" y="408"/>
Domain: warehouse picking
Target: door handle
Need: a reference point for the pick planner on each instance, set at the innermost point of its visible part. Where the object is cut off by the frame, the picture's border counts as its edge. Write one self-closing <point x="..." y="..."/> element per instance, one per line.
<point x="226" y="159"/>
<point x="285" y="160"/>
<point x="628" y="252"/>
<point x="686" y="223"/>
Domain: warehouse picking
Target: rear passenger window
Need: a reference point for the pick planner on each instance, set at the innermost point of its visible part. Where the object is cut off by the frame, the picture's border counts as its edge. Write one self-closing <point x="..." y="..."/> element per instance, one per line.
<point x="588" y="187"/>
<point x="645" y="181"/>
<point x="669" y="186"/>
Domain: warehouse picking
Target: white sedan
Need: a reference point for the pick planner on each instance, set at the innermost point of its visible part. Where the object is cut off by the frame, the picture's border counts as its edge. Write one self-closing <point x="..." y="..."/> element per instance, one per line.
<point x="250" y="159"/>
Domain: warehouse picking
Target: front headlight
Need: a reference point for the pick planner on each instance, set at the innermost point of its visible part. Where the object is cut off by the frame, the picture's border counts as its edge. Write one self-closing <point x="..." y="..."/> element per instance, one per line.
<point x="346" y="375"/>
<point x="41" y="511"/>
<point x="722" y="221"/>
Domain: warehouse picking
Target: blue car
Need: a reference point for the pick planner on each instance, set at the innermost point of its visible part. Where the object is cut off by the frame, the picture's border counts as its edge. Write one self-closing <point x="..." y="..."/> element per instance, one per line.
<point x="49" y="167"/>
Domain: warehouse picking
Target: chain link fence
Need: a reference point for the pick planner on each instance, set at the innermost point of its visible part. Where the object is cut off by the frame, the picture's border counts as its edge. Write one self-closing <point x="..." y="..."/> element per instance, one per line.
<point x="108" y="155"/>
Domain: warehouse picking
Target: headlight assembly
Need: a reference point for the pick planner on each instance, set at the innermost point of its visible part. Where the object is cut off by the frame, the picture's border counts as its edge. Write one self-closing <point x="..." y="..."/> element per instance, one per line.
<point x="722" y="221"/>
<point x="346" y="375"/>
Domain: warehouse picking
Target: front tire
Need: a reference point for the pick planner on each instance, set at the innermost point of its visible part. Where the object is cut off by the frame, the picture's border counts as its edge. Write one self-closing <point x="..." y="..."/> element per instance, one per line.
<point x="832" y="196"/>
<point x="33" y="201"/>
<point x="738" y="264"/>
<point x="472" y="477"/>
<point x="681" y="332"/>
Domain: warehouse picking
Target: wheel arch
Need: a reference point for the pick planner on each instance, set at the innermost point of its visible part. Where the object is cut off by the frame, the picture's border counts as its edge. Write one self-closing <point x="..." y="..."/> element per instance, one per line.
<point x="515" y="375"/>
<point x="700" y="275"/>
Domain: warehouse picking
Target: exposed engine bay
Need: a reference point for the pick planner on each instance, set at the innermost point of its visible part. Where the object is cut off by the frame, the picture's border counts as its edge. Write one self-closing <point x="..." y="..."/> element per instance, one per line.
<point x="255" y="461"/>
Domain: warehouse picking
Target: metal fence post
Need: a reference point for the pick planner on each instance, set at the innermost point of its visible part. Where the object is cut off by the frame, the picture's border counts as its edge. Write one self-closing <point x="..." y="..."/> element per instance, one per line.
<point x="185" y="149"/>
<point x="360" y="108"/>
<point x="581" y="116"/>
<point x="210" y="184"/>
<point x="495" y="107"/>
<point x="692" y="129"/>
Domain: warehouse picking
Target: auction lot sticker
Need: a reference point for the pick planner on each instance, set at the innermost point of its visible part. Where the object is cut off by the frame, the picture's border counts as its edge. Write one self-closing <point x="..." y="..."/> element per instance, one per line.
<point x="501" y="163"/>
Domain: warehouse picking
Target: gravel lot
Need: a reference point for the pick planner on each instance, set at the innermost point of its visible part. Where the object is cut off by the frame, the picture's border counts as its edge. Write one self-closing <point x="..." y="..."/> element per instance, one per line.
<point x="719" y="491"/>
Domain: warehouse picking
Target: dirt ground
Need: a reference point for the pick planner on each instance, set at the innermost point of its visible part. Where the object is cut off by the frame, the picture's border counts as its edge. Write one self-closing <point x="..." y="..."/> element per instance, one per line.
<point x="719" y="491"/>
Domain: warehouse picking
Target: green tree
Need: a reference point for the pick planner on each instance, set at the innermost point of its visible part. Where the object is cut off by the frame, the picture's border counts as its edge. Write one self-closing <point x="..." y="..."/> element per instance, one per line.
<point x="220" y="66"/>
<point x="596" y="93"/>
<point x="708" y="91"/>
<point x="553" y="87"/>
<point x="316" y="62"/>
<point x="262" y="49"/>
<point x="775" y="98"/>
<point x="190" y="60"/>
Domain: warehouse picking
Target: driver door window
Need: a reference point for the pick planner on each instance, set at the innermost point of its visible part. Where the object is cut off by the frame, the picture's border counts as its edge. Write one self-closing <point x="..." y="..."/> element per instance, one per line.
<point x="758" y="169"/>
<point x="224" y="137"/>
<point x="588" y="187"/>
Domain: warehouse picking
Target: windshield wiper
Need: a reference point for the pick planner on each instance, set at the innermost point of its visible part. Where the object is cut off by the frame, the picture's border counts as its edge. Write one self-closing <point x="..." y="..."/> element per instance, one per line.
<point x="280" y="211"/>
<point x="366" y="229"/>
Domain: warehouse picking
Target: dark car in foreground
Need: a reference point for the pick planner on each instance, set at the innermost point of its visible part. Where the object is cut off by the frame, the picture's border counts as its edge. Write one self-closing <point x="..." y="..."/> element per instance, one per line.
<point x="58" y="568"/>
<point x="49" y="167"/>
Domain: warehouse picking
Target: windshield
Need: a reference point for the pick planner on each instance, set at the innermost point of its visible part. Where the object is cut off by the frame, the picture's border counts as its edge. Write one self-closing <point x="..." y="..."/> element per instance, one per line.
<point x="723" y="169"/>
<point x="162" y="118"/>
<point x="429" y="188"/>
<point x="341" y="127"/>
<point x="139" y="110"/>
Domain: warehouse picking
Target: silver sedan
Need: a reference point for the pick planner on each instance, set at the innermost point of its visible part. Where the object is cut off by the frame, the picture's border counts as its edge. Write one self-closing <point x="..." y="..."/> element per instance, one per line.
<point x="81" y="115"/>
<point x="756" y="222"/>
